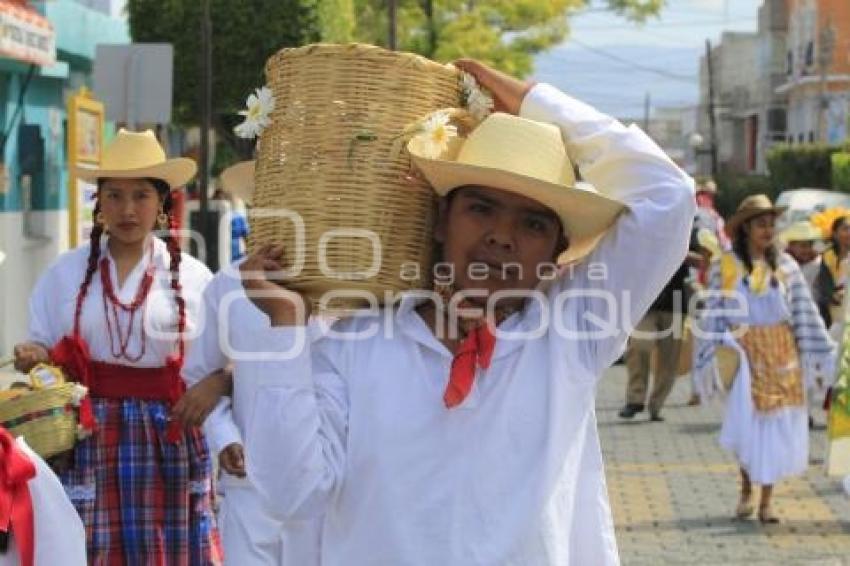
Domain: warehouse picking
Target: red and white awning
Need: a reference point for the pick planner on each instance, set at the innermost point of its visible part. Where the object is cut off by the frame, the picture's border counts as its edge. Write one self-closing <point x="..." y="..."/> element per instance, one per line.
<point x="26" y="35"/>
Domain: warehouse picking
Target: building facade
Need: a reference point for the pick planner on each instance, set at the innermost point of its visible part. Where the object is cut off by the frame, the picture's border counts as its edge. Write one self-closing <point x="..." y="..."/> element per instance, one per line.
<point x="817" y="71"/>
<point x="34" y="222"/>
<point x="734" y="72"/>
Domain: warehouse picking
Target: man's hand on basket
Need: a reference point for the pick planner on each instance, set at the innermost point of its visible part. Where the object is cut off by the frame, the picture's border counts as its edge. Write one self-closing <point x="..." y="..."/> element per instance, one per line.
<point x="232" y="460"/>
<point x="283" y="307"/>
<point x="199" y="400"/>
<point x="28" y="355"/>
<point x="507" y="91"/>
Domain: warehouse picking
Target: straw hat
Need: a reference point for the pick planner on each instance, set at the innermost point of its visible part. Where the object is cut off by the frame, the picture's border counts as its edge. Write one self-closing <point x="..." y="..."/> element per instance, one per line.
<point x="527" y="158"/>
<point x="750" y="207"/>
<point x="238" y="180"/>
<point x="137" y="155"/>
<point x="802" y="231"/>
<point x="707" y="186"/>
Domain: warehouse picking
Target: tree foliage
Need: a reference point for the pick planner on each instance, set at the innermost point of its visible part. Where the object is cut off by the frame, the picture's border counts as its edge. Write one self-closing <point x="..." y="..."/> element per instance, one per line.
<point x="801" y="165"/>
<point x="244" y="35"/>
<point x="503" y="33"/>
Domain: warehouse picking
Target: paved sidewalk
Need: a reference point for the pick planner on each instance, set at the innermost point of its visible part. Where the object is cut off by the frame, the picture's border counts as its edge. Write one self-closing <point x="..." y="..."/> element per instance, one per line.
<point x="673" y="492"/>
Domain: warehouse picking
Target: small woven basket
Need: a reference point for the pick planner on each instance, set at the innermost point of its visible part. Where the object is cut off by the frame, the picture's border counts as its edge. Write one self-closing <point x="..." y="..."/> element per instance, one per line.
<point x="47" y="418"/>
<point x="332" y="154"/>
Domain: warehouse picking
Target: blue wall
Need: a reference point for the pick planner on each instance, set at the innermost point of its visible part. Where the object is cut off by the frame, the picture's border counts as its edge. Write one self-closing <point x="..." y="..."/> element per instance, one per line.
<point x="78" y="31"/>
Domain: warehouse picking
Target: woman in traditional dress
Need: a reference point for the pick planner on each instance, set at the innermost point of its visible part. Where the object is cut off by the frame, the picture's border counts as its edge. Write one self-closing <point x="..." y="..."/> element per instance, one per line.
<point x="115" y="314"/>
<point x="760" y="306"/>
<point x="829" y="283"/>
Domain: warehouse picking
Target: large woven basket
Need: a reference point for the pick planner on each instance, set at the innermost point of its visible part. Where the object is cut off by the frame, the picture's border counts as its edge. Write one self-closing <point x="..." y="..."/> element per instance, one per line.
<point x="331" y="155"/>
<point x="46" y="418"/>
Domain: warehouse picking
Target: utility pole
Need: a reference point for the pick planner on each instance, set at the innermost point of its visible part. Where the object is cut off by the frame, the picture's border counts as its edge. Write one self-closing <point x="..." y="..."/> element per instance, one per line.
<point x="206" y="103"/>
<point x="712" y="120"/>
<point x="826" y="45"/>
<point x="392" y="13"/>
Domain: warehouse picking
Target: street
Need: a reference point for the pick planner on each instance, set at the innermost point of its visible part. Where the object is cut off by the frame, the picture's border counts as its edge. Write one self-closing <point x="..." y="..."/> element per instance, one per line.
<point x="673" y="492"/>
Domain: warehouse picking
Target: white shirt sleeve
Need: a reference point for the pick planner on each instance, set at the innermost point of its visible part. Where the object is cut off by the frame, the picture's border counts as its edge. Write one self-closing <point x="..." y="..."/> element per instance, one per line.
<point x="612" y="289"/>
<point x="44" y="323"/>
<point x="205" y="356"/>
<point x="296" y="440"/>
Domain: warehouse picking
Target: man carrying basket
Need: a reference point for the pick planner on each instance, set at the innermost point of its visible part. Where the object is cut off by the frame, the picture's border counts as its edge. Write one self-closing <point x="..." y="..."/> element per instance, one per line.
<point x="422" y="447"/>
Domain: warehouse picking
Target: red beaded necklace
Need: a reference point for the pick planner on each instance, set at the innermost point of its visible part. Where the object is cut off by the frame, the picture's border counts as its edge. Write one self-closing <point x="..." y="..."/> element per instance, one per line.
<point x="112" y="304"/>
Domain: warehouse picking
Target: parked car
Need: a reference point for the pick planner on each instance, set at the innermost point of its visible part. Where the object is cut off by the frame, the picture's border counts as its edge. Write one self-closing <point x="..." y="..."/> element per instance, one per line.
<point x="804" y="202"/>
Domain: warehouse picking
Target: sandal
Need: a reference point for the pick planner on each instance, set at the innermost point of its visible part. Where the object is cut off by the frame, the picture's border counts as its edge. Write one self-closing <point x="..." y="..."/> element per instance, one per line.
<point x="745" y="508"/>
<point x="766" y="515"/>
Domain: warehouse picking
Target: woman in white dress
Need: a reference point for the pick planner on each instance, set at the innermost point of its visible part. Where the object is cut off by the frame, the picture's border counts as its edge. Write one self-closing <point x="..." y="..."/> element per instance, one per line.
<point x="760" y="305"/>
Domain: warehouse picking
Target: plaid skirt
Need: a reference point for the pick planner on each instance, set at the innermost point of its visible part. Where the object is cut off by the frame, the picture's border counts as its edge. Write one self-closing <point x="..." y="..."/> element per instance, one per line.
<point x="143" y="500"/>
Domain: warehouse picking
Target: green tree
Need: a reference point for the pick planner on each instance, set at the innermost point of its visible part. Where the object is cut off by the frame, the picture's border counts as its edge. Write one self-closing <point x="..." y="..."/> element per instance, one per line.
<point x="337" y="23"/>
<point x="244" y="35"/>
<point x="503" y="33"/>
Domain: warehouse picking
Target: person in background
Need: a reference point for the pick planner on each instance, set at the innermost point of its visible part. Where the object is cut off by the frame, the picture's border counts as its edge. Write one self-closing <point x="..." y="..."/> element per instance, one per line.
<point x="707" y="216"/>
<point x="238" y="183"/>
<point x="250" y="535"/>
<point x="801" y="240"/>
<point x="829" y="283"/>
<point x="660" y="329"/>
<point x="760" y="306"/>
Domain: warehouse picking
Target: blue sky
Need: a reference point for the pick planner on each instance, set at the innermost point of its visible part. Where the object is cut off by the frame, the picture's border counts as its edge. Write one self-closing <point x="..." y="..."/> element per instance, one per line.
<point x="612" y="63"/>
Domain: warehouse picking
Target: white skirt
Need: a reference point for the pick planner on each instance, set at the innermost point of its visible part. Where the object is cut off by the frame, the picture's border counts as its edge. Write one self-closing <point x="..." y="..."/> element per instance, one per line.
<point x="768" y="446"/>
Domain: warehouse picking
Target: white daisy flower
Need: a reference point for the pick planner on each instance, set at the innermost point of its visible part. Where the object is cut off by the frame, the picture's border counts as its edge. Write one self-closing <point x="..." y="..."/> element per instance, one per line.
<point x="257" y="116"/>
<point x="478" y="101"/>
<point x="435" y="136"/>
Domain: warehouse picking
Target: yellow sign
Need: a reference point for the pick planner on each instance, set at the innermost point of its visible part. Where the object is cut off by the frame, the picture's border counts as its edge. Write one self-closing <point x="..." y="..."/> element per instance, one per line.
<point x="85" y="143"/>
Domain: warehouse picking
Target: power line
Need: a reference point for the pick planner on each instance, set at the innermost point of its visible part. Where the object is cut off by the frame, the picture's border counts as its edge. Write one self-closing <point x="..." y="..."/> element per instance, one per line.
<point x="677" y="24"/>
<point x="632" y="64"/>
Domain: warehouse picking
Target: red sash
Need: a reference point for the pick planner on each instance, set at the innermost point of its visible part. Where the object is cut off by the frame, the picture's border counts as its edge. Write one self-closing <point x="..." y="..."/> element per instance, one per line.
<point x="115" y="381"/>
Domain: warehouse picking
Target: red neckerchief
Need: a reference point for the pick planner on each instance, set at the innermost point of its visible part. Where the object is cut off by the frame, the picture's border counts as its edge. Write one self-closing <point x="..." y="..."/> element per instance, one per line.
<point x="475" y="351"/>
<point x="16" y="514"/>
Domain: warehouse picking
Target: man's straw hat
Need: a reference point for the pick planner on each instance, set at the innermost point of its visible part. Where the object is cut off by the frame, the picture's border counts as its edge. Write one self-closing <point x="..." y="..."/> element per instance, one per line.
<point x="138" y="155"/>
<point x="750" y="207"/>
<point x="527" y="158"/>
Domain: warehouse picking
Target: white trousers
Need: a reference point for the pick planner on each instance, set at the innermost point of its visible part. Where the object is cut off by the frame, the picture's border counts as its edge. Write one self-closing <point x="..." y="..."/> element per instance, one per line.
<point x="253" y="538"/>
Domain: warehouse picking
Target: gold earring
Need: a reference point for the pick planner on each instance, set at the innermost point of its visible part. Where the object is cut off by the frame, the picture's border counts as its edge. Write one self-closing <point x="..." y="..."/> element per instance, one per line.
<point x="163" y="220"/>
<point x="98" y="219"/>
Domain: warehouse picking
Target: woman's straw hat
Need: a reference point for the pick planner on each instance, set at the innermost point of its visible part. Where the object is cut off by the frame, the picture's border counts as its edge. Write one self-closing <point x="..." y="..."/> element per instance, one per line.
<point x="527" y="158"/>
<point x="750" y="207"/>
<point x="138" y="155"/>
<point x="238" y="180"/>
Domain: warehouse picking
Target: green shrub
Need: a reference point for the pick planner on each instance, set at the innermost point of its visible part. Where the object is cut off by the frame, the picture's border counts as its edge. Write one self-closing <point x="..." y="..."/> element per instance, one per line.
<point x="841" y="171"/>
<point x="801" y="165"/>
<point x="733" y="188"/>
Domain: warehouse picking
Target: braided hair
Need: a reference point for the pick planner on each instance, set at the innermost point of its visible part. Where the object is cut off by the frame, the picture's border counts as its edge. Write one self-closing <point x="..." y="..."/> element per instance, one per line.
<point x="163" y="189"/>
<point x="91" y="267"/>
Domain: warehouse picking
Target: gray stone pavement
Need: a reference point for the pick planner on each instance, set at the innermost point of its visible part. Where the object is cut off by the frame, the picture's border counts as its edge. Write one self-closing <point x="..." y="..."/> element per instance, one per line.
<point x="673" y="492"/>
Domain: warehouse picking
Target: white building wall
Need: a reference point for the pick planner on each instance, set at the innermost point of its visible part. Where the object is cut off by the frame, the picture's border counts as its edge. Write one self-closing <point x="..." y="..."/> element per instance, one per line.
<point x="26" y="259"/>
